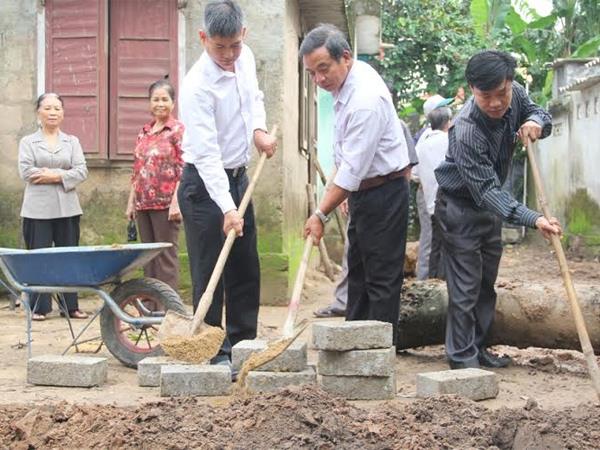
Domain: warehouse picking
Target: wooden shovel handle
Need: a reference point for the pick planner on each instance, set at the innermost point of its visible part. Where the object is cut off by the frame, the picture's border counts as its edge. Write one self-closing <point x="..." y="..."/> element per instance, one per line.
<point x="584" y="338"/>
<point x="207" y="296"/>
<point x="288" y="326"/>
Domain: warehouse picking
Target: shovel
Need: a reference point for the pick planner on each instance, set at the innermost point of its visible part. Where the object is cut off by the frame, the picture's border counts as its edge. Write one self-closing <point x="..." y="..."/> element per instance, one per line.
<point x="584" y="338"/>
<point x="190" y="338"/>
<point x="289" y="332"/>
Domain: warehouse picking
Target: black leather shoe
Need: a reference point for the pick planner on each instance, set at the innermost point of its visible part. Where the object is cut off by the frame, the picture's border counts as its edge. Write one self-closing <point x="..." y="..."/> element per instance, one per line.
<point x="328" y="311"/>
<point x="468" y="364"/>
<point x="487" y="359"/>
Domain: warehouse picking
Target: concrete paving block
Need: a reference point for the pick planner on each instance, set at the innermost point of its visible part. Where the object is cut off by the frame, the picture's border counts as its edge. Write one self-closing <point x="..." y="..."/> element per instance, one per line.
<point x="352" y="335"/>
<point x="293" y="359"/>
<point x="148" y="369"/>
<point x="360" y="388"/>
<point x="67" y="370"/>
<point x="476" y="384"/>
<point x="258" y="381"/>
<point x="181" y="380"/>
<point x="363" y="363"/>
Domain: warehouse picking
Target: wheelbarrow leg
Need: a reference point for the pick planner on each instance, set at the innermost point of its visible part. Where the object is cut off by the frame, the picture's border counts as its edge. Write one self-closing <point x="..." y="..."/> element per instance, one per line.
<point x="76" y="338"/>
<point x="25" y="299"/>
<point x="62" y="306"/>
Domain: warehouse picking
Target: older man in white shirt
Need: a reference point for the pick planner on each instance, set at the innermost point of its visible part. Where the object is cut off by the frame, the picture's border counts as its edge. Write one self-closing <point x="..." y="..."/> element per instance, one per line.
<point x="371" y="155"/>
<point x="431" y="151"/>
<point x="222" y="109"/>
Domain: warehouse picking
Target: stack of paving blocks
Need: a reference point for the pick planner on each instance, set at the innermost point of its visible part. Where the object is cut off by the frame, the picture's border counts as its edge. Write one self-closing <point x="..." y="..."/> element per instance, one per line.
<point x="178" y="378"/>
<point x="67" y="370"/>
<point x="288" y="369"/>
<point x="356" y="359"/>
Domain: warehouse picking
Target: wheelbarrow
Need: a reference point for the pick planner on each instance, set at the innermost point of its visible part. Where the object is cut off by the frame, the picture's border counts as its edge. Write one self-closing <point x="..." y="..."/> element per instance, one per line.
<point x="131" y="313"/>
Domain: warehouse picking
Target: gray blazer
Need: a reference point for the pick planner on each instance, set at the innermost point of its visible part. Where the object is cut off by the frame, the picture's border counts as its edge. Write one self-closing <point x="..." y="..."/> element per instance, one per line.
<point x="51" y="201"/>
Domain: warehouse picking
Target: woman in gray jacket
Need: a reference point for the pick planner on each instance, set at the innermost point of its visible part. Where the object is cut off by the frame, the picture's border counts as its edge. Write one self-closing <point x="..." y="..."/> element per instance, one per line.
<point x="52" y="164"/>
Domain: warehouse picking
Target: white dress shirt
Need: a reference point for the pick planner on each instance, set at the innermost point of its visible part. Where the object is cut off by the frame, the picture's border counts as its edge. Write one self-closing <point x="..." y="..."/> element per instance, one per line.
<point x="431" y="151"/>
<point x="220" y="111"/>
<point x="369" y="140"/>
<point x="55" y="200"/>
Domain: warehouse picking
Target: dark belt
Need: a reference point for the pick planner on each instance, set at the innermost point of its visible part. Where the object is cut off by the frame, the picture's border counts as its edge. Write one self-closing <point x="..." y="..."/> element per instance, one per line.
<point x="380" y="180"/>
<point x="237" y="172"/>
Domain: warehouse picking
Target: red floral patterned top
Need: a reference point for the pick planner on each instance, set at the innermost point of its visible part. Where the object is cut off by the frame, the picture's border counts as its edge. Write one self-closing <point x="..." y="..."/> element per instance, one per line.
<point x="157" y="165"/>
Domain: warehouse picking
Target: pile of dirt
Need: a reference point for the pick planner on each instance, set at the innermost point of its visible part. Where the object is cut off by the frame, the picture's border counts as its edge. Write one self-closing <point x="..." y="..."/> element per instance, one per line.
<point x="298" y="418"/>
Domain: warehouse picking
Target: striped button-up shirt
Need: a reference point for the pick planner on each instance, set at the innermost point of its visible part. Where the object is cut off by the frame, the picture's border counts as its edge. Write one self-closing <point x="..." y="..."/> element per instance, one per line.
<point x="479" y="154"/>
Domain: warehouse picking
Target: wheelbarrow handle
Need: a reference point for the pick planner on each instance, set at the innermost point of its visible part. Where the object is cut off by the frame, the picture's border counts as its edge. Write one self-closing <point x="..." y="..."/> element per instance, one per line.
<point x="584" y="338"/>
<point x="207" y="296"/>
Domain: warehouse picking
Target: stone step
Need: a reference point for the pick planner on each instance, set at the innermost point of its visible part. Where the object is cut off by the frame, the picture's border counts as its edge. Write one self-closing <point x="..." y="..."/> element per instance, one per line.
<point x="476" y="384"/>
<point x="293" y="359"/>
<point x="148" y="370"/>
<point x="260" y="381"/>
<point x="364" y="363"/>
<point x="186" y="380"/>
<point x="352" y="335"/>
<point x="67" y="370"/>
<point x="360" y="388"/>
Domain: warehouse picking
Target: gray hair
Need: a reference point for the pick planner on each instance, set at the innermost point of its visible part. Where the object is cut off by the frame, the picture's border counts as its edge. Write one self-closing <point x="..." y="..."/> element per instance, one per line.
<point x="223" y="18"/>
<point x="326" y="35"/>
<point x="439" y="117"/>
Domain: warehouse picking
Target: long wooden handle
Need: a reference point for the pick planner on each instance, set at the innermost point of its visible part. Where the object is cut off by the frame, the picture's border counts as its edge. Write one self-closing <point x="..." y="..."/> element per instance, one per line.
<point x="288" y="326"/>
<point x="207" y="296"/>
<point x="584" y="338"/>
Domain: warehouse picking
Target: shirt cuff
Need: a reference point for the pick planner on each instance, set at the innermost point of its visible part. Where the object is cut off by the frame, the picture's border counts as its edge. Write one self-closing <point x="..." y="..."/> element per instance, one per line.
<point x="527" y="216"/>
<point x="225" y="203"/>
<point x="345" y="180"/>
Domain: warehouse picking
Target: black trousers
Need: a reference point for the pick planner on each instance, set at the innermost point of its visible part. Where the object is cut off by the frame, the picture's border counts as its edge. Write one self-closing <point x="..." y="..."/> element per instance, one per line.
<point x="436" y="257"/>
<point x="472" y="247"/>
<point x="42" y="233"/>
<point x="239" y="288"/>
<point x="377" y="245"/>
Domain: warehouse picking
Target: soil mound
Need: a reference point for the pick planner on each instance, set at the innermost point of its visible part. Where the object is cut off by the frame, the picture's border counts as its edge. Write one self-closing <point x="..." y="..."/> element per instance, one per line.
<point x="298" y="418"/>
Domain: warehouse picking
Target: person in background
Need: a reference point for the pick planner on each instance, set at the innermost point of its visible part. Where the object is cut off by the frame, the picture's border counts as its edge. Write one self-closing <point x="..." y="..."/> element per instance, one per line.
<point x="157" y="167"/>
<point x="52" y="164"/>
<point x="431" y="150"/>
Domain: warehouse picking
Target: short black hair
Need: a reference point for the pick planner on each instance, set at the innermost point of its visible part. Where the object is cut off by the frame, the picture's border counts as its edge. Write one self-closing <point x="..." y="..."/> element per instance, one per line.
<point x="223" y="18"/>
<point x="45" y="95"/>
<point x="439" y="117"/>
<point x="162" y="83"/>
<point x="486" y="70"/>
<point x="326" y="35"/>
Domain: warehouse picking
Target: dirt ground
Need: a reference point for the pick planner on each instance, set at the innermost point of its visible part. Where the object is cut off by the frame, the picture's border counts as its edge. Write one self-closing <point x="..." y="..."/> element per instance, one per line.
<point x="546" y="399"/>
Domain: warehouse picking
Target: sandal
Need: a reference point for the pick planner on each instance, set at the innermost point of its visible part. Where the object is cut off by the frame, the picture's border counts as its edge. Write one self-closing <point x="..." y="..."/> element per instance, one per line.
<point x="77" y="314"/>
<point x="38" y="317"/>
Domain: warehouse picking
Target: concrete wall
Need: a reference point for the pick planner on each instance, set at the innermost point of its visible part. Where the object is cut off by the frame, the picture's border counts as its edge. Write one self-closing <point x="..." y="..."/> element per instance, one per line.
<point x="569" y="160"/>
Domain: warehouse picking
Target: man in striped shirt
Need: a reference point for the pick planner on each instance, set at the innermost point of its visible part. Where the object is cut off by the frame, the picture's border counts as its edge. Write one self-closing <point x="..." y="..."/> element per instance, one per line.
<point x="471" y="204"/>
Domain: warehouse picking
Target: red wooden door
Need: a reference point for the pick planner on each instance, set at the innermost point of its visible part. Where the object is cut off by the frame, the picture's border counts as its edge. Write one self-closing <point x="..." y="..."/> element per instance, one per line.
<point x="76" y="68"/>
<point x="143" y="49"/>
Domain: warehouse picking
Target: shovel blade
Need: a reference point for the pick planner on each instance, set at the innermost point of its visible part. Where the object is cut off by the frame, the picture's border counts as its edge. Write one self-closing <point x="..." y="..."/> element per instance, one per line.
<point x="175" y="325"/>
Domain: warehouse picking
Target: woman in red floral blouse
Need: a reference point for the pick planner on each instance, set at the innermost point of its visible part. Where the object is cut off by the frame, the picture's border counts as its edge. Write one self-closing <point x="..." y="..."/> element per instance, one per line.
<point x="157" y="169"/>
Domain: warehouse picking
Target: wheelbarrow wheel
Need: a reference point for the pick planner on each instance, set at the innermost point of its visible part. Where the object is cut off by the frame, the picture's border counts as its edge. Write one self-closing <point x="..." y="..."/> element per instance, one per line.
<point x="139" y="297"/>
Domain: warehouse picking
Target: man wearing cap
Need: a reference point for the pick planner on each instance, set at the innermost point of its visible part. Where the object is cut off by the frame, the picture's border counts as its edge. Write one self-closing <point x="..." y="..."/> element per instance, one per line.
<point x="372" y="163"/>
<point x="471" y="204"/>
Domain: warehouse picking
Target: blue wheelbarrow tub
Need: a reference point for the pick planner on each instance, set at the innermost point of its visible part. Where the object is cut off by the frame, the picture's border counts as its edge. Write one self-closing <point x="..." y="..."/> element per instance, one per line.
<point x="77" y="266"/>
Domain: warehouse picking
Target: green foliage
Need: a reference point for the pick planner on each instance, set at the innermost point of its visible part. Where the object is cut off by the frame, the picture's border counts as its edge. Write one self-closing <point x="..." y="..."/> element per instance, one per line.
<point x="588" y="48"/>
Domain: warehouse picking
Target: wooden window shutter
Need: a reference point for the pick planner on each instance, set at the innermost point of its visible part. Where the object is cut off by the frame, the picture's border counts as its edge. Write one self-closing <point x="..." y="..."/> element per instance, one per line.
<point x="143" y="49"/>
<point x="76" y="68"/>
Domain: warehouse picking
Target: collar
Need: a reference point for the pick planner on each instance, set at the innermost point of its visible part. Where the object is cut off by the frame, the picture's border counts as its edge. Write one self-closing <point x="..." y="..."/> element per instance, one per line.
<point x="38" y="136"/>
<point x="213" y="72"/>
<point x="170" y="124"/>
<point x="343" y="94"/>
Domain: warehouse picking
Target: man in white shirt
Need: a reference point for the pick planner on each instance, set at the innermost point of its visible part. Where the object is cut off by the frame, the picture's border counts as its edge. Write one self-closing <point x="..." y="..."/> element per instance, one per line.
<point x="431" y="151"/>
<point x="372" y="163"/>
<point x="222" y="109"/>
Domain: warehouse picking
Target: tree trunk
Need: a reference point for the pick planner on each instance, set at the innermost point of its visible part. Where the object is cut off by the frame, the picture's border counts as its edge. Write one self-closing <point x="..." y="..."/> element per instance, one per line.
<point x="526" y="315"/>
